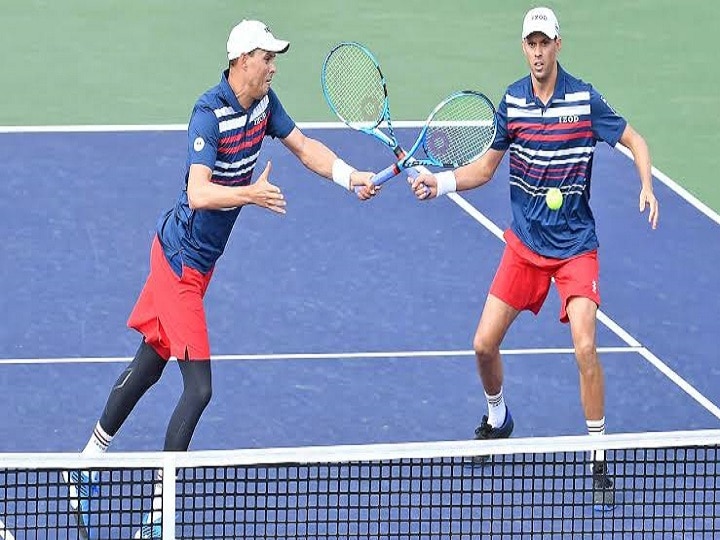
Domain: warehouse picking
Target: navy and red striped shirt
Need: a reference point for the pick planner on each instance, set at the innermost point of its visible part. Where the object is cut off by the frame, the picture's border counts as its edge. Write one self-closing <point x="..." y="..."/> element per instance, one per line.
<point x="225" y="137"/>
<point x="552" y="146"/>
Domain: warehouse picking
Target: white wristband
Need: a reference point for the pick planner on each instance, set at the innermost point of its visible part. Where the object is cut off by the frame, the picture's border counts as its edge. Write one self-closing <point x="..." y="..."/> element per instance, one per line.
<point x="446" y="183"/>
<point x="341" y="172"/>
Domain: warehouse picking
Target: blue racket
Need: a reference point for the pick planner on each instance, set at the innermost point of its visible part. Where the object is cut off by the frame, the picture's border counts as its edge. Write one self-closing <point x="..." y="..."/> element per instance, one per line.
<point x="355" y="89"/>
<point x="459" y="130"/>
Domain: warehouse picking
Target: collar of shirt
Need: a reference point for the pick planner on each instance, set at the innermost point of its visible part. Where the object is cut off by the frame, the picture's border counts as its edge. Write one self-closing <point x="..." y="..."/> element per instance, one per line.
<point x="558" y="93"/>
<point x="228" y="94"/>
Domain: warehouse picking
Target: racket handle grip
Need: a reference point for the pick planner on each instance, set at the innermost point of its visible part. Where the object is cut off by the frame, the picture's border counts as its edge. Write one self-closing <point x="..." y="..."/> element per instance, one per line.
<point x="383" y="176"/>
<point x="386" y="174"/>
<point x="412" y="173"/>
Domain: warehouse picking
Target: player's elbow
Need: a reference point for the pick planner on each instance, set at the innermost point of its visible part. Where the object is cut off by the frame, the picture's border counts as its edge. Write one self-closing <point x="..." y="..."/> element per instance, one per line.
<point x="196" y="199"/>
<point x="199" y="187"/>
<point x="484" y="176"/>
<point x="634" y="141"/>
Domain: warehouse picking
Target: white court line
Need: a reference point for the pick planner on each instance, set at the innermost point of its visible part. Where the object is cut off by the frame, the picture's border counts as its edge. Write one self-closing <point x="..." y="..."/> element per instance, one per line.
<point x="314" y="356"/>
<point x="127" y="128"/>
<point x="607" y="321"/>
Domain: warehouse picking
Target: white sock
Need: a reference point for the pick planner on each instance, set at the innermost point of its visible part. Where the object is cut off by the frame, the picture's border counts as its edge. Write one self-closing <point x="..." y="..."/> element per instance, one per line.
<point x="496" y="409"/>
<point x="99" y="441"/>
<point x="597" y="427"/>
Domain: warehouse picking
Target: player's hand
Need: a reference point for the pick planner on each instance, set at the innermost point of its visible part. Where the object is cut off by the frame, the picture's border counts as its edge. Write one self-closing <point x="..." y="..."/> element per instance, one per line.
<point x="647" y="199"/>
<point x="424" y="186"/>
<point x="362" y="179"/>
<point x="265" y="194"/>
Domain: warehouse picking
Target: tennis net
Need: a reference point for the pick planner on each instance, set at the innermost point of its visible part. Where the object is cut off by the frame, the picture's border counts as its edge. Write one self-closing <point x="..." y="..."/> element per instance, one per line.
<point x="664" y="485"/>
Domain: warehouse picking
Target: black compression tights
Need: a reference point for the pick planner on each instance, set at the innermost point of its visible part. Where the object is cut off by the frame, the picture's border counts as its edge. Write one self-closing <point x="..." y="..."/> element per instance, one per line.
<point x="141" y="374"/>
<point x="144" y="371"/>
<point x="197" y="391"/>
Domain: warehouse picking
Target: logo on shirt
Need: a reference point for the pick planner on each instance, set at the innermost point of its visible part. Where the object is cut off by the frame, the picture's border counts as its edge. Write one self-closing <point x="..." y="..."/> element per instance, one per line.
<point x="259" y="118"/>
<point x="199" y="144"/>
<point x="571" y="119"/>
<point x="594" y="286"/>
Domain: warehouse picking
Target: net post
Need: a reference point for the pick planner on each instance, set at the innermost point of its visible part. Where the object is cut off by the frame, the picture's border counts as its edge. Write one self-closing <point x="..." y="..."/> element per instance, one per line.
<point x="168" y="497"/>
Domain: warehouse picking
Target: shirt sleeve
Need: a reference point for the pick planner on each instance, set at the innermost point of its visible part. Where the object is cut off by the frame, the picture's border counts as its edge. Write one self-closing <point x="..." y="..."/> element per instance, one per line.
<point x="502" y="141"/>
<point x="203" y="135"/>
<point x="607" y="125"/>
<point x="279" y="122"/>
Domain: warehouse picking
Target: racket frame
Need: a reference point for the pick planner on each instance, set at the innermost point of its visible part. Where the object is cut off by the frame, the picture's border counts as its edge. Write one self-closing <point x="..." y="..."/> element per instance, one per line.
<point x="410" y="161"/>
<point x="389" y="139"/>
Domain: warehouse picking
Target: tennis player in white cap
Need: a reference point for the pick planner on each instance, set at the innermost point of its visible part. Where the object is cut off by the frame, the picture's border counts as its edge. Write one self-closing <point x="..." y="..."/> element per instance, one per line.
<point x="550" y="121"/>
<point x="226" y="130"/>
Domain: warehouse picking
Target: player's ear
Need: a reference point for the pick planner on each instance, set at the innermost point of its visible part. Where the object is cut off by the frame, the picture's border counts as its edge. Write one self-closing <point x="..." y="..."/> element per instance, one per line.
<point x="241" y="61"/>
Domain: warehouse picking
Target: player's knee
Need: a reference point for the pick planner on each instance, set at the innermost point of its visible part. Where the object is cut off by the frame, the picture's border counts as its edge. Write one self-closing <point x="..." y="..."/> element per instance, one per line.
<point x="485" y="351"/>
<point x="147" y="366"/>
<point x="197" y="382"/>
<point x="201" y="393"/>
<point x="586" y="353"/>
<point x="152" y="376"/>
<point x="588" y="362"/>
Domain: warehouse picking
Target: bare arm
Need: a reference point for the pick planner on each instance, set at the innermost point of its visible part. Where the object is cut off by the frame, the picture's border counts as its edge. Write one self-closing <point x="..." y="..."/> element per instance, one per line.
<point x="312" y="153"/>
<point x="470" y="176"/>
<point x="478" y="172"/>
<point x="641" y="154"/>
<point x="204" y="195"/>
<point x="320" y="159"/>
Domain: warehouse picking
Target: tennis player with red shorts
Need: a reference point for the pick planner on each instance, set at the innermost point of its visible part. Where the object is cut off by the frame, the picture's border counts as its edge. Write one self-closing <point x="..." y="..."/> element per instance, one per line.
<point x="169" y="312"/>
<point x="226" y="129"/>
<point x="523" y="279"/>
<point x="550" y="122"/>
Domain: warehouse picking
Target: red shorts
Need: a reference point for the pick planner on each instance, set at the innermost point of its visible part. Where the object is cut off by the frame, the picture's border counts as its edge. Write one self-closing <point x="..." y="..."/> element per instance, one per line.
<point x="523" y="278"/>
<point x="169" y="311"/>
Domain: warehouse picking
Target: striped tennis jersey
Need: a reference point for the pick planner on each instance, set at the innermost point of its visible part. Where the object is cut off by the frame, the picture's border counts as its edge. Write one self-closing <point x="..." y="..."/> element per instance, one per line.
<point x="225" y="137"/>
<point x="552" y="146"/>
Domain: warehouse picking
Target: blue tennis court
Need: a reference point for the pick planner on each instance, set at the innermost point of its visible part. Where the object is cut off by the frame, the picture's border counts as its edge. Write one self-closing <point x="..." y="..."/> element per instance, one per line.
<point x="342" y="322"/>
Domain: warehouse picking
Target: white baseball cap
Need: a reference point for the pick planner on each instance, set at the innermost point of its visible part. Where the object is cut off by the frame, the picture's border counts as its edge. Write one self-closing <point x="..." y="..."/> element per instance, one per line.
<point x="249" y="35"/>
<point x="541" y="19"/>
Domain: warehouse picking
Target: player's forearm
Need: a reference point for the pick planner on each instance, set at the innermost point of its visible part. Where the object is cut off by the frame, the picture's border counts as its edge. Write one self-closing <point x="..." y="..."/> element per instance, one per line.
<point x="317" y="157"/>
<point x="320" y="159"/>
<point x="468" y="177"/>
<point x="641" y="155"/>
<point x="479" y="172"/>
<point x="643" y="163"/>
<point x="204" y="195"/>
<point x="215" y="197"/>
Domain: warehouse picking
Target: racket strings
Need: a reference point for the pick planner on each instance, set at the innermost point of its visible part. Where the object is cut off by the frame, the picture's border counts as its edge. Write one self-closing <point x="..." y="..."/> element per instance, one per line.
<point x="460" y="130"/>
<point x="354" y="87"/>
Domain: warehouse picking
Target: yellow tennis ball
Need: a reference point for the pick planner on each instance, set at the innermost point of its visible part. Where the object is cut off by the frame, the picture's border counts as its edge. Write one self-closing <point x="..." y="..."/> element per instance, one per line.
<point x="554" y="198"/>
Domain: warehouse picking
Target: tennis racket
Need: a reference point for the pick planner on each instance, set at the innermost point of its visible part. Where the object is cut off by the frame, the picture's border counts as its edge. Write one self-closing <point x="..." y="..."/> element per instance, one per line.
<point x="355" y="90"/>
<point x="459" y="130"/>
